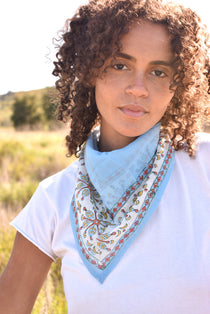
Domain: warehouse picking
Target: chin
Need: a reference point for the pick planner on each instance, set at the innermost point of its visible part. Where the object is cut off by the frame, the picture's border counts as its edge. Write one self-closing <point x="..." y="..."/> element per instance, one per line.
<point x="135" y="133"/>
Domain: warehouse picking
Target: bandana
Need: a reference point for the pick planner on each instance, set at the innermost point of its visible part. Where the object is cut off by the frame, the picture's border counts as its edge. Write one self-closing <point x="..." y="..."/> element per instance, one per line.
<point x="103" y="234"/>
<point x="113" y="172"/>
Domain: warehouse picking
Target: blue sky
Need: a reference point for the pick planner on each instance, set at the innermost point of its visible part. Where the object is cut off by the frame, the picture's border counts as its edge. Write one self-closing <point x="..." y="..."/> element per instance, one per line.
<point x="26" y="32"/>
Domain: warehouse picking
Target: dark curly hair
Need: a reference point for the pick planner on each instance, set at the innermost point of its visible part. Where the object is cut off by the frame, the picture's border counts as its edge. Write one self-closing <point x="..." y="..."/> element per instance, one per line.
<point x="94" y="34"/>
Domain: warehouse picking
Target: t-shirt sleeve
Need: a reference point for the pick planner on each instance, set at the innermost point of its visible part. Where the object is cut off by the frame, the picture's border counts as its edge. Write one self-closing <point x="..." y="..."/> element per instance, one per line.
<point x="37" y="221"/>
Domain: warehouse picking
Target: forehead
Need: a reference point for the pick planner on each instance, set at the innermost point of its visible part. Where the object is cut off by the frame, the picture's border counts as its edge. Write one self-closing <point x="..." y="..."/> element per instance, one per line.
<point x="147" y="38"/>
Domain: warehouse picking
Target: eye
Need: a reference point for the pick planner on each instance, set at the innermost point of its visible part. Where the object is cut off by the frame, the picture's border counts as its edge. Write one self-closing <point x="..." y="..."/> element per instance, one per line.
<point x="120" y="66"/>
<point x="158" y="73"/>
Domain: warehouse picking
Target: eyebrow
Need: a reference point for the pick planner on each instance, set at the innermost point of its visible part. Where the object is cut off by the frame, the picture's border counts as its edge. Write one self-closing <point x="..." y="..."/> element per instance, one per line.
<point x="156" y="62"/>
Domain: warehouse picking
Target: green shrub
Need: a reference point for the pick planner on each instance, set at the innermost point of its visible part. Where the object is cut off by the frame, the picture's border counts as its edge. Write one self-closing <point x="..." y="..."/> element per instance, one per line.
<point x="26" y="111"/>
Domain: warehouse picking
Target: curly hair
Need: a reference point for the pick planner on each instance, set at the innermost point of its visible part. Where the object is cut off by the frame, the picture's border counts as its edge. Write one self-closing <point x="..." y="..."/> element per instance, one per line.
<point x="93" y="35"/>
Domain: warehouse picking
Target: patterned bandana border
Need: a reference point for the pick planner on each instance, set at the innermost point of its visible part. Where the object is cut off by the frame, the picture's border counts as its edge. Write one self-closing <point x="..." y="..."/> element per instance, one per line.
<point x="103" y="235"/>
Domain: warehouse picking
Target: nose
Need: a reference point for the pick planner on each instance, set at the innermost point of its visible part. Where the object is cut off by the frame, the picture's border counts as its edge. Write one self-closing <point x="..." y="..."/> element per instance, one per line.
<point x="137" y="87"/>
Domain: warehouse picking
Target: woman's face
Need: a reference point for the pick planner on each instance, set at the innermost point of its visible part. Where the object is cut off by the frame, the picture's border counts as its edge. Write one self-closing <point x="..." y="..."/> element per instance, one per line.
<point x="133" y="92"/>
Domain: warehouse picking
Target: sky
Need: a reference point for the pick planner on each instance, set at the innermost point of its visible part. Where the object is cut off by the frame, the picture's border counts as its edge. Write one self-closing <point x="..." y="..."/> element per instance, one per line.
<point x="27" y="29"/>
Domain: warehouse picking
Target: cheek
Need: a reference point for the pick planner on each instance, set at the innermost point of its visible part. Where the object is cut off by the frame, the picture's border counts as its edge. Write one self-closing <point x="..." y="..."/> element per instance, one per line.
<point x="104" y="93"/>
<point x="164" y="94"/>
<point x="162" y="100"/>
<point x="101" y="98"/>
<point x="165" y="103"/>
<point x="170" y="95"/>
<point x="99" y="95"/>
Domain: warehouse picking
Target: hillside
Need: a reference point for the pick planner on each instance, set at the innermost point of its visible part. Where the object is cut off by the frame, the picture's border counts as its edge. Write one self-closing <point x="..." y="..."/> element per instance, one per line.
<point x="7" y="100"/>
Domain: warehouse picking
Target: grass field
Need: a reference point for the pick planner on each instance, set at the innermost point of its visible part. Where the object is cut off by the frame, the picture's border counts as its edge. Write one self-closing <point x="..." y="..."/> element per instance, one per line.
<point x="25" y="159"/>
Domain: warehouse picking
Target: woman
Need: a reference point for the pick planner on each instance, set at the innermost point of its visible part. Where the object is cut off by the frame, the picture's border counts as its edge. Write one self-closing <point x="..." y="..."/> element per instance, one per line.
<point x="130" y="218"/>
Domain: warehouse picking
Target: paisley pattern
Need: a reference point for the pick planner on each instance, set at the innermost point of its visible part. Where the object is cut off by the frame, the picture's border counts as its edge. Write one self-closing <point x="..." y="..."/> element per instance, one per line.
<point x="101" y="234"/>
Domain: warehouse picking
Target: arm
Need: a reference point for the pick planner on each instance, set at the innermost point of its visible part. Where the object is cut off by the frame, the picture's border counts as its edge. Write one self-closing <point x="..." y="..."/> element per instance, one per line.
<point x="23" y="277"/>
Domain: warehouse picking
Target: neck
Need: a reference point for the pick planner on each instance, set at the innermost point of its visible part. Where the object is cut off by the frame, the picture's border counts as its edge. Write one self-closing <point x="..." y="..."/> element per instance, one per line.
<point x="104" y="146"/>
<point x="110" y="140"/>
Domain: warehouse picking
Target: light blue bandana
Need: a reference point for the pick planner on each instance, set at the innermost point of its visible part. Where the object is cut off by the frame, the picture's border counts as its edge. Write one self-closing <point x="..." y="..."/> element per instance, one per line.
<point x="113" y="172"/>
<point x="104" y="234"/>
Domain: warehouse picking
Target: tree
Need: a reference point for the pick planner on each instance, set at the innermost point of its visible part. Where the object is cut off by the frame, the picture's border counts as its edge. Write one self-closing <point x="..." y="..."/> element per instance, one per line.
<point x="48" y="107"/>
<point x="26" y="112"/>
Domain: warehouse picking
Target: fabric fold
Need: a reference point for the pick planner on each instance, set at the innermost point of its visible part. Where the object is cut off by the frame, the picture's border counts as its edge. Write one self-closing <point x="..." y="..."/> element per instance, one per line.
<point x="103" y="235"/>
<point x="113" y="172"/>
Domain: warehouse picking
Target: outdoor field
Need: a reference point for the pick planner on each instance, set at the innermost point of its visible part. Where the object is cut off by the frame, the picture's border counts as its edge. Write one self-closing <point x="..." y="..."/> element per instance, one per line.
<point x="25" y="159"/>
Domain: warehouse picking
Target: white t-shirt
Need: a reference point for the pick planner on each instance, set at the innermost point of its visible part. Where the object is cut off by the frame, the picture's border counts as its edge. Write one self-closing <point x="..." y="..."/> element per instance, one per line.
<point x="167" y="268"/>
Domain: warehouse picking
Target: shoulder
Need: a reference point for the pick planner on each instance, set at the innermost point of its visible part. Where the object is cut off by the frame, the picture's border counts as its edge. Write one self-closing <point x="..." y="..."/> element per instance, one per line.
<point x="202" y="148"/>
<point x="60" y="182"/>
<point x="47" y="212"/>
<point x="199" y="165"/>
<point x="53" y="195"/>
<point x="202" y="153"/>
<point x="203" y="144"/>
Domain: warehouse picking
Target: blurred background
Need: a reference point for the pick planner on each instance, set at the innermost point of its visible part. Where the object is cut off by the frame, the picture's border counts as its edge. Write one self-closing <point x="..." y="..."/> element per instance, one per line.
<point x="32" y="144"/>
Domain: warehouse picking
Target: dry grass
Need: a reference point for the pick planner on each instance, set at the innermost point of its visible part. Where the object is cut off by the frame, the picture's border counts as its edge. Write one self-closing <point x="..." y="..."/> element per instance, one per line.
<point x="25" y="159"/>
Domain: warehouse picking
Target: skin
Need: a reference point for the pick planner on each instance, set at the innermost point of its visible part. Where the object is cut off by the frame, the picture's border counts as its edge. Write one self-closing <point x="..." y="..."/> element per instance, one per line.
<point x="23" y="277"/>
<point x="133" y="92"/>
<point x="132" y="96"/>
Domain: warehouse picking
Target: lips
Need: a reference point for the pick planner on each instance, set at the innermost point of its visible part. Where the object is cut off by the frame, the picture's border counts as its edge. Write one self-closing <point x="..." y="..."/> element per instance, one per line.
<point x="133" y="110"/>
